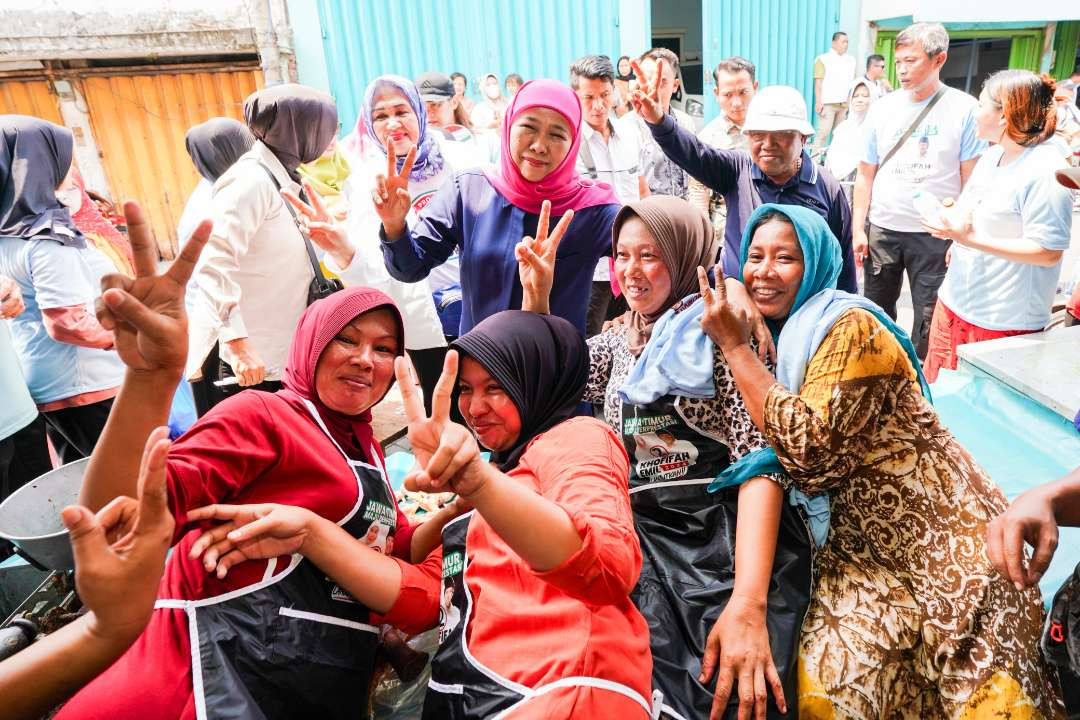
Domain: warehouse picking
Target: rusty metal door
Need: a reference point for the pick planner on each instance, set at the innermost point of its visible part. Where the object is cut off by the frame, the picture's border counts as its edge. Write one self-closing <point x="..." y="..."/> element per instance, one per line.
<point x="139" y="122"/>
<point x="29" y="97"/>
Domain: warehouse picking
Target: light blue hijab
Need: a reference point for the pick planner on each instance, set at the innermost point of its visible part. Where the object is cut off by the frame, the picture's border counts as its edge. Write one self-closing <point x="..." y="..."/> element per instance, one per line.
<point x="817" y="307"/>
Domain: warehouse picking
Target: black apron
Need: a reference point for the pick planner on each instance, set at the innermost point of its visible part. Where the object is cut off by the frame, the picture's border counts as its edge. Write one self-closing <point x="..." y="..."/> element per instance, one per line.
<point x="687" y="539"/>
<point x="461" y="688"/>
<point x="295" y="644"/>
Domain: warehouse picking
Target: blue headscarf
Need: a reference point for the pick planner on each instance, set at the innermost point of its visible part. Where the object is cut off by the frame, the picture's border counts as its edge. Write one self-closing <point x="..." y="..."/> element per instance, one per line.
<point x="817" y="307"/>
<point x="429" y="159"/>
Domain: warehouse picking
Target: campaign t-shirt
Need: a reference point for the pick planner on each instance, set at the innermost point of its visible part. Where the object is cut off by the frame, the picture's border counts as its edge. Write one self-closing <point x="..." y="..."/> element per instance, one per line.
<point x="52" y="275"/>
<point x="1018" y="201"/>
<point x="929" y="159"/>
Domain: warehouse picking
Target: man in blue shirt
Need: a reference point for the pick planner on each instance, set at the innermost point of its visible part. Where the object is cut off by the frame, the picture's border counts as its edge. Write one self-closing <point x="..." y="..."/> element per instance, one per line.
<point x="777" y="169"/>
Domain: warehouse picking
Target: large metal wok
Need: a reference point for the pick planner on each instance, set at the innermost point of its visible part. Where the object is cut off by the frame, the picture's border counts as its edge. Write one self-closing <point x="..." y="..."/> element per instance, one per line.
<point x="30" y="517"/>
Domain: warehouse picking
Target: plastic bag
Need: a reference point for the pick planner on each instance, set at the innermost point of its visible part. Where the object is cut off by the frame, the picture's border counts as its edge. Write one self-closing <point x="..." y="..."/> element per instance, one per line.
<point x="394" y="699"/>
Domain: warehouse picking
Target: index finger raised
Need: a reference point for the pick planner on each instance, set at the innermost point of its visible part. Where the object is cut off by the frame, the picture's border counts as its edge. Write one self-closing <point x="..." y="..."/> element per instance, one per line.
<point x="643" y="81"/>
<point x="143" y="249"/>
<point x="544" y="222"/>
<point x="703" y="285"/>
<point x="410" y="398"/>
<point x="391" y="160"/>
<point x="444" y="388"/>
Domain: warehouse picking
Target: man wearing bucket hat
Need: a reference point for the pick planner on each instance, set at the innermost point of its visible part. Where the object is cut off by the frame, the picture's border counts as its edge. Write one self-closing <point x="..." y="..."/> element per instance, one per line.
<point x="777" y="169"/>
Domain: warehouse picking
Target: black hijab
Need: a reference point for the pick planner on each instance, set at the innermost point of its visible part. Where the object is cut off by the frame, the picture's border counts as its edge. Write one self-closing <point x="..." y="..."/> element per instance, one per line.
<point x="216" y="144"/>
<point x="35" y="157"/>
<point x="542" y="363"/>
<point x="296" y="122"/>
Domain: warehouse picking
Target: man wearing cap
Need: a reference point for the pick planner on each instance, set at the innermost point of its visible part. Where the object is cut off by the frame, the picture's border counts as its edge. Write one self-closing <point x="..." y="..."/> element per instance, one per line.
<point x="777" y="169"/>
<point x="459" y="144"/>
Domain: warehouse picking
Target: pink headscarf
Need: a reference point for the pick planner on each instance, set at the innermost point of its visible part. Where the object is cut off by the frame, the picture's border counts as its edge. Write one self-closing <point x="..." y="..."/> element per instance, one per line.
<point x="319" y="324"/>
<point x="563" y="186"/>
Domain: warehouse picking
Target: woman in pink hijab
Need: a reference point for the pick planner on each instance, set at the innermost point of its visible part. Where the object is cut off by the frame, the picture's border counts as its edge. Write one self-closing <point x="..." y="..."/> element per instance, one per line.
<point x="484" y="213"/>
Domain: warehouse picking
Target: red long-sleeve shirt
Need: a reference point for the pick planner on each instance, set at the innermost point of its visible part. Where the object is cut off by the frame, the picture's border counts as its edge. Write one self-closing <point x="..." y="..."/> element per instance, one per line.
<point x="252" y="448"/>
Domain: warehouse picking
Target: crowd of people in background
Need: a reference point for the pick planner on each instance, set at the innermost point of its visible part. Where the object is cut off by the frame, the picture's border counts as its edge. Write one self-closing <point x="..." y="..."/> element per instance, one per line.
<point x="717" y="484"/>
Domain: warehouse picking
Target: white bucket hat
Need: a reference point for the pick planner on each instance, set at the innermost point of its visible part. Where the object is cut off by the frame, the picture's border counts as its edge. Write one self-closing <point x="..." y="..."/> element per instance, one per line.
<point x="777" y="108"/>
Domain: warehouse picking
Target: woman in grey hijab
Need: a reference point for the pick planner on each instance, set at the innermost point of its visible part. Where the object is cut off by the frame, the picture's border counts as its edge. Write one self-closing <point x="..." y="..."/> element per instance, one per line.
<point x="216" y="144"/>
<point x="213" y="146"/>
<point x="252" y="282"/>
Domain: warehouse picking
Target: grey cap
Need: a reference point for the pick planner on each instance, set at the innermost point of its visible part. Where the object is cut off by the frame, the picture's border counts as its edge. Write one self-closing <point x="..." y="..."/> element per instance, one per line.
<point x="435" y="87"/>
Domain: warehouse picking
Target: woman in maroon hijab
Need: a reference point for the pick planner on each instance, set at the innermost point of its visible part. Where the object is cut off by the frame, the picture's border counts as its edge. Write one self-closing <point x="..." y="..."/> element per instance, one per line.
<point x="275" y="638"/>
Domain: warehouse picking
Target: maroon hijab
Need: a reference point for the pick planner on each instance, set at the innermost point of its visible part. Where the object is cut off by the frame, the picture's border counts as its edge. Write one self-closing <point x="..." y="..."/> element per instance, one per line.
<point x="319" y="324"/>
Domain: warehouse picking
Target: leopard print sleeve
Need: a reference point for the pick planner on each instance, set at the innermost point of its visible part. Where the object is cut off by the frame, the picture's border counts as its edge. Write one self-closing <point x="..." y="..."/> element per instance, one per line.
<point x="725" y="417"/>
<point x="601" y="354"/>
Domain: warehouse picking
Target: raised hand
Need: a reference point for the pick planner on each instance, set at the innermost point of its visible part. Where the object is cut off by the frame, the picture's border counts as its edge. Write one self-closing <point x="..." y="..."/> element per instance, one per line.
<point x="391" y="193"/>
<point x="146" y="313"/>
<point x="740" y="299"/>
<point x="11" y="299"/>
<point x="646" y="97"/>
<point x="722" y="321"/>
<point x="120" y="551"/>
<point x="536" y="260"/>
<point x="447" y="454"/>
<point x="248" y="532"/>
<point x="317" y="223"/>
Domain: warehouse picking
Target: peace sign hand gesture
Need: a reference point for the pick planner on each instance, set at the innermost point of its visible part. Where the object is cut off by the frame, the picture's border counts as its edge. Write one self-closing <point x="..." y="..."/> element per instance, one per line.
<point x="317" y="223"/>
<point x="391" y="194"/>
<point x="447" y="454"/>
<point x="646" y="97"/>
<point x="725" y="324"/>
<point x="146" y="313"/>
<point x="536" y="260"/>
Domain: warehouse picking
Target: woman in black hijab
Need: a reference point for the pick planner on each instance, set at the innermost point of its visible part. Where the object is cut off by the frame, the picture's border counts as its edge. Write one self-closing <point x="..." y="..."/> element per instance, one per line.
<point x="552" y="534"/>
<point x="296" y="122"/>
<point x="252" y="282"/>
<point x="66" y="356"/>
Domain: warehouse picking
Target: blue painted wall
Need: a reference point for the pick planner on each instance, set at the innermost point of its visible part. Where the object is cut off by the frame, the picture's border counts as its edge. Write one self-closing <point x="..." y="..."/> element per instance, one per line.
<point x="407" y="37"/>
<point x="308" y="43"/>
<point x="781" y="37"/>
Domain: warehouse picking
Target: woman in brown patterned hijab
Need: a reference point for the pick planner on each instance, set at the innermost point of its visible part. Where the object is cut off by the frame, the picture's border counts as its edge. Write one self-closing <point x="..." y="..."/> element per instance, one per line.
<point x="682" y="238"/>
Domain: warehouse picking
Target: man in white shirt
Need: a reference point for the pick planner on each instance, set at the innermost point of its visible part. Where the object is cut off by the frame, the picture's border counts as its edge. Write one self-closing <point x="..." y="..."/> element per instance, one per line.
<point x="736" y="83"/>
<point x="608" y="153"/>
<point x="935" y="158"/>
<point x="834" y="71"/>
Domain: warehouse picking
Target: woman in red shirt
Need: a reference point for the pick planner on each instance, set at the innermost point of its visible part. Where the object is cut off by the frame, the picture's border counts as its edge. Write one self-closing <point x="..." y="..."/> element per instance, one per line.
<point x="537" y="620"/>
<point x="276" y="638"/>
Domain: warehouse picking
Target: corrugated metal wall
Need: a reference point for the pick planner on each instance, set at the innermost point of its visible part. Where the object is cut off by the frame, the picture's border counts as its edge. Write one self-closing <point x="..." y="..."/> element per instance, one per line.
<point x="29" y="97"/>
<point x="1066" y="39"/>
<point x="139" y="122"/>
<point x="407" y="37"/>
<point x="781" y="37"/>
